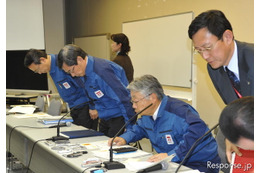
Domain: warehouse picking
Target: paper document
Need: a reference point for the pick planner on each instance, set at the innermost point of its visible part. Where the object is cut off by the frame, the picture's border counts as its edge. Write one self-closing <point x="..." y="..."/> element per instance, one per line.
<point x="105" y="154"/>
<point x="27" y="105"/>
<point x="35" y="115"/>
<point x="137" y="164"/>
<point x="22" y="109"/>
<point x="101" y="145"/>
<point x="101" y="149"/>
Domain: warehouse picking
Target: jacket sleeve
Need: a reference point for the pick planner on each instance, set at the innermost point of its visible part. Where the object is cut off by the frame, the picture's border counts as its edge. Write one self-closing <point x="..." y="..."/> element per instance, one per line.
<point x="134" y="134"/>
<point x="193" y="128"/>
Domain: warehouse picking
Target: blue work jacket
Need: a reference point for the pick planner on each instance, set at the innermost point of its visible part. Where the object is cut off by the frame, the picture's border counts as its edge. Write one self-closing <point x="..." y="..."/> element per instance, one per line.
<point x="68" y="89"/>
<point x="105" y="84"/>
<point x="176" y="128"/>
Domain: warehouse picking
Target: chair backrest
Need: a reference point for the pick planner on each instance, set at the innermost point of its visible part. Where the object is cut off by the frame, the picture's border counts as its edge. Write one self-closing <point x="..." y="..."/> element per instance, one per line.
<point x="55" y="107"/>
<point x="40" y="103"/>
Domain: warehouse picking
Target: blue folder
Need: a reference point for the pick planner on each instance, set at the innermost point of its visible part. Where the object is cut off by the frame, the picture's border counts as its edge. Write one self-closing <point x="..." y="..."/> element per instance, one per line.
<point x="47" y="122"/>
<point x="81" y="133"/>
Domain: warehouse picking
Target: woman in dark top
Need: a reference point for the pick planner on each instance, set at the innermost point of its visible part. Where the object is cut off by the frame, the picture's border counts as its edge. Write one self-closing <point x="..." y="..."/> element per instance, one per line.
<point x="120" y="45"/>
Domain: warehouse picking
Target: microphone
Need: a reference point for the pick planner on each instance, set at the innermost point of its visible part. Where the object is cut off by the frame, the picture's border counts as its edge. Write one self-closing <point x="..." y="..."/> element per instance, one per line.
<point x="58" y="137"/>
<point x="160" y="166"/>
<point x="193" y="147"/>
<point x="114" y="164"/>
<point x="66" y="124"/>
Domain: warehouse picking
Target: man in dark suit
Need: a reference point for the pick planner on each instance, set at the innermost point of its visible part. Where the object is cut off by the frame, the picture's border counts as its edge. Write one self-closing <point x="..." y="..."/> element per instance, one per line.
<point x="222" y="82"/>
<point x="230" y="63"/>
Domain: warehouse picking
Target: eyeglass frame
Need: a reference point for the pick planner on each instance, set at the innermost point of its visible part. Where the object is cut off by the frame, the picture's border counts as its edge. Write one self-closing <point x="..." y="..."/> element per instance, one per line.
<point x="135" y="102"/>
<point x="206" y="49"/>
<point x="71" y="71"/>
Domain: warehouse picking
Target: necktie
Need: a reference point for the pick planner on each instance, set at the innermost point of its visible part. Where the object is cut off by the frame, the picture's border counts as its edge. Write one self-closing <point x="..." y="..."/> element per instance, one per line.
<point x="234" y="80"/>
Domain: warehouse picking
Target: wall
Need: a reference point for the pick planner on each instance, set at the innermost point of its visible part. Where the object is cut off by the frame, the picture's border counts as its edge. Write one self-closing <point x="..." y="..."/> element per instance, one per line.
<point x="24" y="30"/>
<point x="90" y="17"/>
<point x="54" y="30"/>
<point x="54" y="25"/>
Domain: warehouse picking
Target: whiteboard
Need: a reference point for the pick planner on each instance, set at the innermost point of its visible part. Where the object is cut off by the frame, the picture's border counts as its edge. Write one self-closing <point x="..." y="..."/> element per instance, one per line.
<point x="161" y="47"/>
<point x="96" y="45"/>
<point x="24" y="25"/>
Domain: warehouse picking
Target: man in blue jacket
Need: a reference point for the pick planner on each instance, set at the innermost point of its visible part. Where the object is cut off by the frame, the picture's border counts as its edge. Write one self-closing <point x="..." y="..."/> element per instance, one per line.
<point x="104" y="83"/>
<point x="39" y="62"/>
<point x="171" y="125"/>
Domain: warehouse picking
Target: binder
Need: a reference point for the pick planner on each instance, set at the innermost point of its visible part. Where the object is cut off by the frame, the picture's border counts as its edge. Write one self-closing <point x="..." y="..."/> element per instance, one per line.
<point x="81" y="133"/>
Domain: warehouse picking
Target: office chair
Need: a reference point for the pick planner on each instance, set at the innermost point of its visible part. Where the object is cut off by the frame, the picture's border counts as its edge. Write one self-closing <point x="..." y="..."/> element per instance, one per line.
<point x="40" y="103"/>
<point x="55" y="107"/>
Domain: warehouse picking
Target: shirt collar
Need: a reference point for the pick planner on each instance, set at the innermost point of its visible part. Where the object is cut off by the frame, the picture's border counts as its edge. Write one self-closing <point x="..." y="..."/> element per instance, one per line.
<point x="233" y="64"/>
<point x="155" y="114"/>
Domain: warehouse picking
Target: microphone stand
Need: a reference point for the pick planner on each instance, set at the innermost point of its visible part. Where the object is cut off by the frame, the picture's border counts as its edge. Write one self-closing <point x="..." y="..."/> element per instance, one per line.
<point x="58" y="137"/>
<point x="193" y="146"/>
<point x="115" y="164"/>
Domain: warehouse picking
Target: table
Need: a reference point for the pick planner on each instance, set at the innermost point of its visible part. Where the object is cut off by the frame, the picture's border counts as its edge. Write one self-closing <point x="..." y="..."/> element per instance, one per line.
<point x="18" y="99"/>
<point x="44" y="159"/>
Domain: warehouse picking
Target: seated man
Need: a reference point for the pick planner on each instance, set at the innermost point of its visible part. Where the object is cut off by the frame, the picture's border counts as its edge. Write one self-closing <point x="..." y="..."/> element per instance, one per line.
<point x="237" y="123"/>
<point x="171" y="125"/>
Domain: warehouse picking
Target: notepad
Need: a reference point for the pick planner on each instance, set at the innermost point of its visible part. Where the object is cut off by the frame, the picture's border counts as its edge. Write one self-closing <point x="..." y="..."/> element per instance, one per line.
<point x="81" y="133"/>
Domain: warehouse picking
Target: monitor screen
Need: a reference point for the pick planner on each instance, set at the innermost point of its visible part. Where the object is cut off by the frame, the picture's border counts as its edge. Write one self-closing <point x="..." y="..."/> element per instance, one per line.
<point x="19" y="77"/>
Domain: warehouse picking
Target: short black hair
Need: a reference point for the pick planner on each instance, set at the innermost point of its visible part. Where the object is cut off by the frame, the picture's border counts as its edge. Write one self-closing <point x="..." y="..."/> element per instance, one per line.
<point x="214" y="20"/>
<point x="237" y="119"/>
<point x="33" y="56"/>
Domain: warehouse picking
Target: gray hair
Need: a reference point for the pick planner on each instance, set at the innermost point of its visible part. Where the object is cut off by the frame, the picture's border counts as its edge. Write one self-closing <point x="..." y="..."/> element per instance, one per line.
<point x="68" y="55"/>
<point x="147" y="85"/>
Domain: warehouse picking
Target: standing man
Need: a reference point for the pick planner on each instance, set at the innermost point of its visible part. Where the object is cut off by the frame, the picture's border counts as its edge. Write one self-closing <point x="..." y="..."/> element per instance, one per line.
<point x="230" y="62"/>
<point x="39" y="62"/>
<point x="104" y="83"/>
<point x="171" y="125"/>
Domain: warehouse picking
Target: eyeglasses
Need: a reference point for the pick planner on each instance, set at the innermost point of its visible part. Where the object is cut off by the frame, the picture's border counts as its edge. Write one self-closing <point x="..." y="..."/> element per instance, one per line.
<point x="206" y="49"/>
<point x="135" y="102"/>
<point x="71" y="71"/>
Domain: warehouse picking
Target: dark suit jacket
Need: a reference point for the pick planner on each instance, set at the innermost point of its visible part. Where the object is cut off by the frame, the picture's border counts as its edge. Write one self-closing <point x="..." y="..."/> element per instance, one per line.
<point x="124" y="61"/>
<point x="246" y="74"/>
